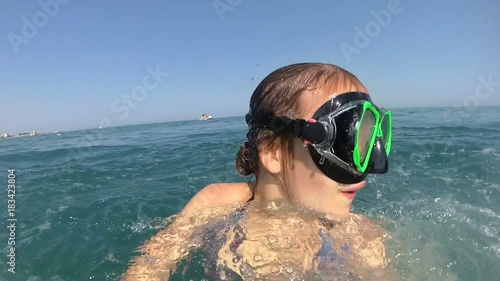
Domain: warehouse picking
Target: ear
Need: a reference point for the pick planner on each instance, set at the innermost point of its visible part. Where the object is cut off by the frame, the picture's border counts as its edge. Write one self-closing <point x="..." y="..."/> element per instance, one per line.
<point x="271" y="160"/>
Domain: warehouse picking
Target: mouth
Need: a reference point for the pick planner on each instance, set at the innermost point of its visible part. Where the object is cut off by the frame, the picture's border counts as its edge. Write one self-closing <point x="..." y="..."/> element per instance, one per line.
<point x="349" y="190"/>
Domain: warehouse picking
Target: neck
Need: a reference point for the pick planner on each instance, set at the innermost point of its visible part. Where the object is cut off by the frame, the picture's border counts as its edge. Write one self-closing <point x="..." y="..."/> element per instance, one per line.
<point x="268" y="188"/>
<point x="269" y="191"/>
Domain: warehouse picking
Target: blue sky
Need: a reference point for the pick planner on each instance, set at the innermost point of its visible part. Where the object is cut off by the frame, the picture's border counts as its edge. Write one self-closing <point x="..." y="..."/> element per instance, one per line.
<point x="75" y="69"/>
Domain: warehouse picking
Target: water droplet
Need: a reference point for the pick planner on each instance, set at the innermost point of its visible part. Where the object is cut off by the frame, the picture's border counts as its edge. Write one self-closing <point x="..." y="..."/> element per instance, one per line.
<point x="437" y="199"/>
<point x="257" y="258"/>
<point x="289" y="269"/>
<point x="236" y="259"/>
<point x="272" y="239"/>
<point x="182" y="250"/>
<point x="244" y="268"/>
<point x="322" y="160"/>
<point x="150" y="260"/>
<point x="379" y="194"/>
<point x="275" y="270"/>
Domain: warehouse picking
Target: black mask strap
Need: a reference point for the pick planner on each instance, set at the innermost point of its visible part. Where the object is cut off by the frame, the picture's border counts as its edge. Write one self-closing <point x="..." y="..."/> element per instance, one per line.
<point x="311" y="131"/>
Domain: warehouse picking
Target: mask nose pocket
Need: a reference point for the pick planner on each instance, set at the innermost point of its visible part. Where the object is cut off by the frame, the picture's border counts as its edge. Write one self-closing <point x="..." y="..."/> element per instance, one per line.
<point x="379" y="164"/>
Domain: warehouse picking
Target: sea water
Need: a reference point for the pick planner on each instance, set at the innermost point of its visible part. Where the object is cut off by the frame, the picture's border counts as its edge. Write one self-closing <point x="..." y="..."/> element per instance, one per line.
<point x="85" y="200"/>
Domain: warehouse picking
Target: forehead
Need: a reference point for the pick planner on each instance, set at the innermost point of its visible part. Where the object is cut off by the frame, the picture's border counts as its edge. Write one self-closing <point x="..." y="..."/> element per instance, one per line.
<point x="313" y="99"/>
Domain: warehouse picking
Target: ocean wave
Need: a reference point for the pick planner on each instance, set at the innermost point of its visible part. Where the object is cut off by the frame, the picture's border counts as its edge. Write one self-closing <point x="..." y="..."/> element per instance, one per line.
<point x="439" y="200"/>
<point x="445" y="129"/>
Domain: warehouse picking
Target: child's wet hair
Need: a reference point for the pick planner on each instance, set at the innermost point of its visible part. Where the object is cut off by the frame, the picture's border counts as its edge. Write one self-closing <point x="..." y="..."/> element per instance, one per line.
<point x="279" y="94"/>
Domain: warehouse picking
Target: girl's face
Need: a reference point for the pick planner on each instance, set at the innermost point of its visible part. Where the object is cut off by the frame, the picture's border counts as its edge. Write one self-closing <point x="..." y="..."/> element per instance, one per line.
<point x="308" y="186"/>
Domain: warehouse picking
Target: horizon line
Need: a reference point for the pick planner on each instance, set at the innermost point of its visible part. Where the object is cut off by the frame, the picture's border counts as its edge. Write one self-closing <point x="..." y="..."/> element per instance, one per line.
<point x="232" y="116"/>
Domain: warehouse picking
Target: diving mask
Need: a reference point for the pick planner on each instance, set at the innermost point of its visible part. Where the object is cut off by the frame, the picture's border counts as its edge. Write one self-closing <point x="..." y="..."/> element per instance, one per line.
<point x="348" y="136"/>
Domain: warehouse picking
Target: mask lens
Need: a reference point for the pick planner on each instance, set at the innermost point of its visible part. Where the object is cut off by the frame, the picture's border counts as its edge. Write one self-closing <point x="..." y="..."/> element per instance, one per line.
<point x="366" y="132"/>
<point x="386" y="131"/>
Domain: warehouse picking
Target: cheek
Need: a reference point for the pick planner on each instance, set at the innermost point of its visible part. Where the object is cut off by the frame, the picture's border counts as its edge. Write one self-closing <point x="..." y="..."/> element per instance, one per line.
<point x="305" y="172"/>
<point x="306" y="175"/>
<point x="303" y="159"/>
<point x="300" y="152"/>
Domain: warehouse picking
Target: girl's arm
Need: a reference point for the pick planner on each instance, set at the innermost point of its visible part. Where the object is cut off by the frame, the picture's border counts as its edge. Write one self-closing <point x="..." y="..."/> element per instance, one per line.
<point x="161" y="253"/>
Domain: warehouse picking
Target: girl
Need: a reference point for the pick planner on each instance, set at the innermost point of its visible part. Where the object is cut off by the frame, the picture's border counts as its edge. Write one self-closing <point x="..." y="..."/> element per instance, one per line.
<point x="314" y="136"/>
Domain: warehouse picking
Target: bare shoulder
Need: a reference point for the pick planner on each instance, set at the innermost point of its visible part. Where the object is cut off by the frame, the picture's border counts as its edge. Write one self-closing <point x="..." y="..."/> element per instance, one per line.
<point x="219" y="194"/>
<point x="370" y="229"/>
<point x="370" y="246"/>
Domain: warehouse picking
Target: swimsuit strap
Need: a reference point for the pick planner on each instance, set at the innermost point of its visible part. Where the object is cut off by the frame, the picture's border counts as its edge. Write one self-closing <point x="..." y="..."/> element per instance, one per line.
<point x="251" y="198"/>
<point x="242" y="210"/>
<point x="327" y="253"/>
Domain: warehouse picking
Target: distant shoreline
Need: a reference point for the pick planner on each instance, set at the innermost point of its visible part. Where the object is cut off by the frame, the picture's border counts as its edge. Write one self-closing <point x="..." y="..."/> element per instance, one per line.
<point x="239" y="116"/>
<point x="23" y="135"/>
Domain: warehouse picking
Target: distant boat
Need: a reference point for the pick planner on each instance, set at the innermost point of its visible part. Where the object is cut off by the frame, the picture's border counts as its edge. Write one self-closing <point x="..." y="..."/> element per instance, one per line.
<point x="205" y="117"/>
